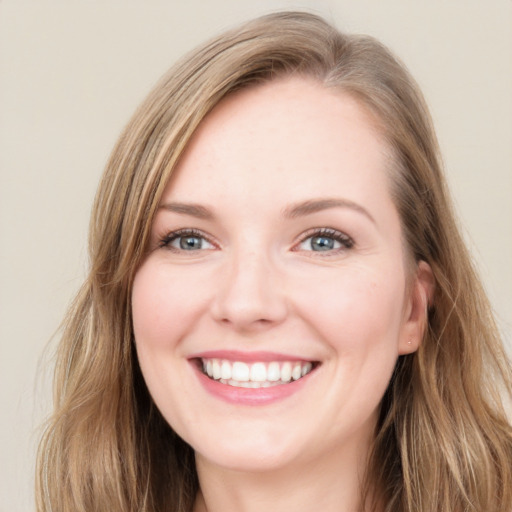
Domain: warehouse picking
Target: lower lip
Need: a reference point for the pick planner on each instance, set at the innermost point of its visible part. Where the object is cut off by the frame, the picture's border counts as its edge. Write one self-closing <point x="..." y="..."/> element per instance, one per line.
<point x="250" y="396"/>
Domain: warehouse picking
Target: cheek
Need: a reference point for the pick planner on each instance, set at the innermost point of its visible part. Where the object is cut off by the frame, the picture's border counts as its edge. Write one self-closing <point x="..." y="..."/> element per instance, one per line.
<point x="149" y="304"/>
<point x="162" y="316"/>
<point x="164" y="305"/>
<point x="357" y="308"/>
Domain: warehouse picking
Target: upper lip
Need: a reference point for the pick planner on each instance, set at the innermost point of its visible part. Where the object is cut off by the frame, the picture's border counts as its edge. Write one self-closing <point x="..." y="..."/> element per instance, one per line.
<point x="248" y="357"/>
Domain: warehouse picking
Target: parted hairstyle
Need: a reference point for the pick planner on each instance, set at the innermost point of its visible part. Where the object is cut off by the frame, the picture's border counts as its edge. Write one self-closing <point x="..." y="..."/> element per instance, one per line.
<point x="443" y="441"/>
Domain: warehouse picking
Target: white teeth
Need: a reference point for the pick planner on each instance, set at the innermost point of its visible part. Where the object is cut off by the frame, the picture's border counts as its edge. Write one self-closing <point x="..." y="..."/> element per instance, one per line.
<point x="237" y="384"/>
<point x="306" y="369"/>
<point x="273" y="372"/>
<point x="216" y="370"/>
<point x="258" y="372"/>
<point x="240" y="372"/>
<point x="296" y="371"/>
<point x="286" y="372"/>
<point x="225" y="370"/>
<point x="255" y="375"/>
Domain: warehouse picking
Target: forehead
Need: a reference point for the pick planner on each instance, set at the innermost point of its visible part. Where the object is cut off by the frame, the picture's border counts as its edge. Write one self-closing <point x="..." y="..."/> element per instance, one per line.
<point x="292" y="108"/>
<point x="293" y="138"/>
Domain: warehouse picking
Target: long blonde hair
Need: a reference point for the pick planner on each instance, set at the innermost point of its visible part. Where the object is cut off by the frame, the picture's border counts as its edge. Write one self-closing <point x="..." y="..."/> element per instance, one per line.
<point x="443" y="441"/>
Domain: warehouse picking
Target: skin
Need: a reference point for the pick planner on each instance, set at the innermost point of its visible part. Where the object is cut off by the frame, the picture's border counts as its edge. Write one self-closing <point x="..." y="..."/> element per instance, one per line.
<point x="256" y="283"/>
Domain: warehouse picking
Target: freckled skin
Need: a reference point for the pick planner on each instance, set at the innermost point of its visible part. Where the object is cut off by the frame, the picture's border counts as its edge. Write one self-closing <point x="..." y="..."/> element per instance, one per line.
<point x="257" y="284"/>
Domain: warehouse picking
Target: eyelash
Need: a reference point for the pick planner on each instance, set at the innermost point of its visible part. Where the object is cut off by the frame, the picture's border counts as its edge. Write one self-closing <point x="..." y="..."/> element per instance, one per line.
<point x="165" y="242"/>
<point x="345" y="241"/>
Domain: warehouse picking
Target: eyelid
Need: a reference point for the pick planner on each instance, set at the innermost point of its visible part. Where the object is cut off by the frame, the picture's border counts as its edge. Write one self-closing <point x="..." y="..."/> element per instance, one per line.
<point x="169" y="236"/>
<point x="345" y="240"/>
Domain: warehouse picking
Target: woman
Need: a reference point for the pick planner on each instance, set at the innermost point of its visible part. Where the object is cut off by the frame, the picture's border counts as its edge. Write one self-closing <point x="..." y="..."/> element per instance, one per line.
<point x="280" y="310"/>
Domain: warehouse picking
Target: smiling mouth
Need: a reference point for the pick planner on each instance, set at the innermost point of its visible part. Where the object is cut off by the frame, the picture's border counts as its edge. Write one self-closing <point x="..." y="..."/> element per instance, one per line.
<point x="255" y="375"/>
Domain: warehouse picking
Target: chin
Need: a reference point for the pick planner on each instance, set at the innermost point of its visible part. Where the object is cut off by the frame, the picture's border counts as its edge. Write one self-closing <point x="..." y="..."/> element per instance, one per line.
<point x="261" y="455"/>
<point x="247" y="462"/>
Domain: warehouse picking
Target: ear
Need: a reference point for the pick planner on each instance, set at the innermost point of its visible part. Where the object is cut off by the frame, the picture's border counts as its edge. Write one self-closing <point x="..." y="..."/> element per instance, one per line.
<point x="421" y="293"/>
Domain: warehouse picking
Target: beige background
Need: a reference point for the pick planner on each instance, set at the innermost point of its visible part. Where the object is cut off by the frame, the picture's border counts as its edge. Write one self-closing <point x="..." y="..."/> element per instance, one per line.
<point x="71" y="75"/>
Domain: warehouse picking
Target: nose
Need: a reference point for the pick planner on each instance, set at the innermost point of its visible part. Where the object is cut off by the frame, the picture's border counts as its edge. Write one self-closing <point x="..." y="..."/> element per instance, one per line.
<point x="250" y="296"/>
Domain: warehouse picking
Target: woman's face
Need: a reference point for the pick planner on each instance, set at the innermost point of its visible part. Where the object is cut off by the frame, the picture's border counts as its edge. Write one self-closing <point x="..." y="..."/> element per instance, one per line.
<point x="277" y="266"/>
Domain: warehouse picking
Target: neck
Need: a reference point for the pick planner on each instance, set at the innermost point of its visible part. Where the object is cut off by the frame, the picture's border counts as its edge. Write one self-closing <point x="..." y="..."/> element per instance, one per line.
<point x="331" y="483"/>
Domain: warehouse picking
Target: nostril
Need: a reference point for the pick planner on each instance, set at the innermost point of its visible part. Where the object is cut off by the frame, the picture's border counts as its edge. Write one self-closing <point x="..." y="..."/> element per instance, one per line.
<point x="248" y="295"/>
<point x="249" y="312"/>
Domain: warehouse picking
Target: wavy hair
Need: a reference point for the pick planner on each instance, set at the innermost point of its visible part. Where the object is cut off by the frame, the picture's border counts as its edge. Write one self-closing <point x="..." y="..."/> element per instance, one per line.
<point x="443" y="441"/>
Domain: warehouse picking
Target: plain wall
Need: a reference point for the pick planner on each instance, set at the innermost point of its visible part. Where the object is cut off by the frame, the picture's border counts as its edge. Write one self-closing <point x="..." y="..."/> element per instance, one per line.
<point x="71" y="74"/>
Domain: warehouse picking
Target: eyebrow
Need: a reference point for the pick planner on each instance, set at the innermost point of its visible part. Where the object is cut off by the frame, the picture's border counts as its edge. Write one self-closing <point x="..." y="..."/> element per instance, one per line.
<point x="317" y="205"/>
<point x="194" y="210"/>
<point x="291" y="212"/>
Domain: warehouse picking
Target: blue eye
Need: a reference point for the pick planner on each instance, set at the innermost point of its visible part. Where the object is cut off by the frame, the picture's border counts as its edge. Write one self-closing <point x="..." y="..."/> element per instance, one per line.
<point x="323" y="243"/>
<point x="325" y="240"/>
<point x="186" y="240"/>
<point x="189" y="243"/>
